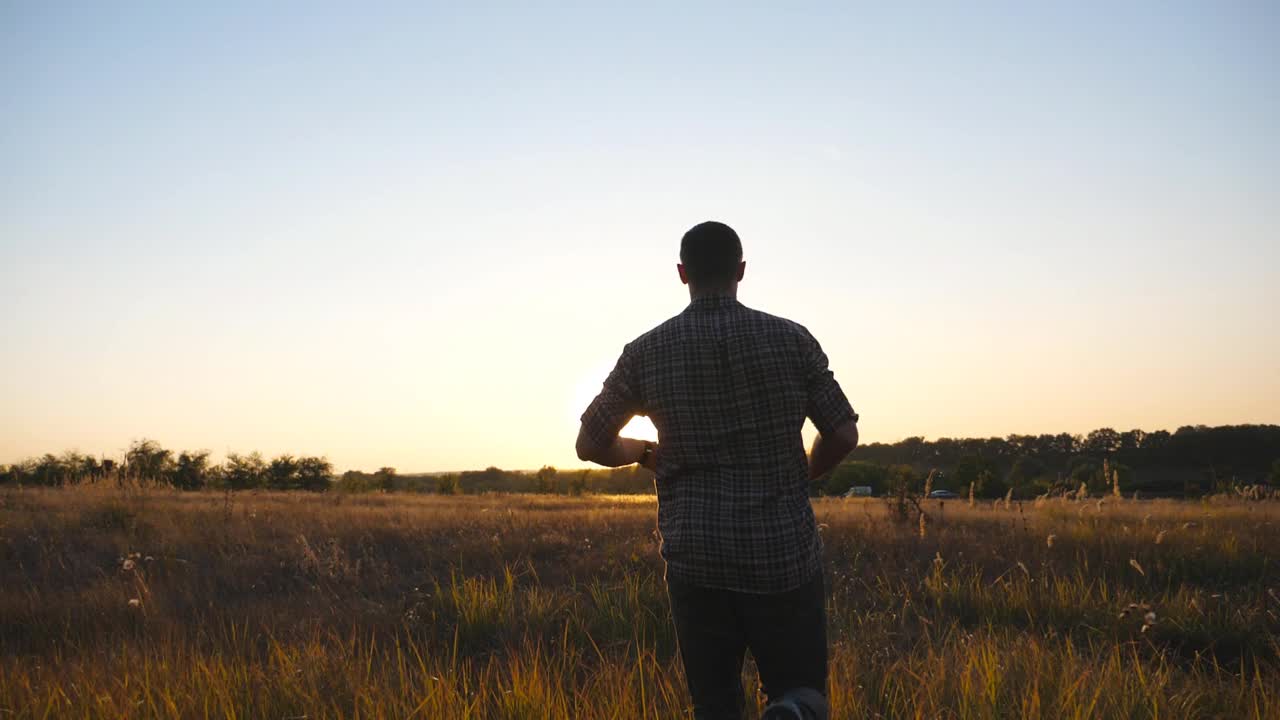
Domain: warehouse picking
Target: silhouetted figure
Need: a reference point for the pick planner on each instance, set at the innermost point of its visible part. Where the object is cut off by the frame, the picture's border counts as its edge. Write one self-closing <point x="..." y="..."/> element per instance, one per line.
<point x="728" y="389"/>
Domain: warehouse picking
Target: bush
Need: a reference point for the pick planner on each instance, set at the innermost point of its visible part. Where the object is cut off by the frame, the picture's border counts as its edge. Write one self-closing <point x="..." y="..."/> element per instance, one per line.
<point x="191" y="471"/>
<point x="982" y="474"/>
<point x="448" y="485"/>
<point x="850" y="474"/>
<point x="990" y="485"/>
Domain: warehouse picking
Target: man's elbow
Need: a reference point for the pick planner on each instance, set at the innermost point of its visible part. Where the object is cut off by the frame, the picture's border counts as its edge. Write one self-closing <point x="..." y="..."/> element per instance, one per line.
<point x="846" y="436"/>
<point x="587" y="450"/>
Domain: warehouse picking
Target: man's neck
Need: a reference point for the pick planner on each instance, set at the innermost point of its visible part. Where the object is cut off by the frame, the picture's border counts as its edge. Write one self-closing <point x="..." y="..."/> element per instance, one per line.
<point x="723" y="292"/>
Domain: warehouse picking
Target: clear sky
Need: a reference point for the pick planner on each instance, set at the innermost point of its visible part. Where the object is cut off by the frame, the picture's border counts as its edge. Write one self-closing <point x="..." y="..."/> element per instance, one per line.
<point x="418" y="235"/>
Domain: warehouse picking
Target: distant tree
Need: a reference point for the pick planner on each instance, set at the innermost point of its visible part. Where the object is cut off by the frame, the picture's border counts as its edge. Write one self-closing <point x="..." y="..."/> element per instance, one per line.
<point x="981" y="473"/>
<point x="314" y="474"/>
<point x="19" y="473"/>
<point x="1102" y="441"/>
<point x="385" y="479"/>
<point x="848" y="475"/>
<point x="448" y="484"/>
<point x="1026" y="469"/>
<point x="1022" y="445"/>
<point x="354" y="481"/>
<point x="1127" y="476"/>
<point x="74" y="467"/>
<point x="995" y="448"/>
<point x="215" y="478"/>
<point x="914" y="449"/>
<point x="1064" y="444"/>
<point x="1131" y="440"/>
<point x="191" y="472"/>
<point x="1088" y="472"/>
<point x="50" y="471"/>
<point x="245" y="472"/>
<point x="147" y="461"/>
<point x="89" y="468"/>
<point x="989" y="484"/>
<point x="282" y="473"/>
<point x="545" y="480"/>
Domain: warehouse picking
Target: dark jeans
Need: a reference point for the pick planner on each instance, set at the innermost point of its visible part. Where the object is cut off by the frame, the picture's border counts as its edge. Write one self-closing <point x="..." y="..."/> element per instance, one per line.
<point x="786" y="633"/>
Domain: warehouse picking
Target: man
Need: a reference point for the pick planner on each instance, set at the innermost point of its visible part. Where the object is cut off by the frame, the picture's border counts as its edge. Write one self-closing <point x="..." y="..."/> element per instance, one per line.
<point x="728" y="389"/>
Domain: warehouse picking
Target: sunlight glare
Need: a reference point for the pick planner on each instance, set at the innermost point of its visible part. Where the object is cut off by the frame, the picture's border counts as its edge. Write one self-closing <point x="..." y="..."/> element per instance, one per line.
<point x="640" y="428"/>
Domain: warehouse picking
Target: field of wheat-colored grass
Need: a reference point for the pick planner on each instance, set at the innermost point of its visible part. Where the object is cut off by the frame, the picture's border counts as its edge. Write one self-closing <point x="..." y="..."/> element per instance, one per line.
<point x="166" y="604"/>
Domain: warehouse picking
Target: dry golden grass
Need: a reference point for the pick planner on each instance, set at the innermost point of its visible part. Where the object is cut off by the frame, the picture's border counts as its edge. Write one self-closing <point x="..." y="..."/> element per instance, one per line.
<point x="164" y="604"/>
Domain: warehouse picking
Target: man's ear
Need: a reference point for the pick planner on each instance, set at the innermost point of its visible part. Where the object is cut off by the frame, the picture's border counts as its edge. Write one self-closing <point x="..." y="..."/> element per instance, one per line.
<point x="684" y="278"/>
<point x="742" y="270"/>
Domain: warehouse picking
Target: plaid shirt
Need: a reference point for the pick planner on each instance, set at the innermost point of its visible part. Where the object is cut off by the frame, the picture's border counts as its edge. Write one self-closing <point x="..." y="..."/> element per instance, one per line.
<point x="728" y="389"/>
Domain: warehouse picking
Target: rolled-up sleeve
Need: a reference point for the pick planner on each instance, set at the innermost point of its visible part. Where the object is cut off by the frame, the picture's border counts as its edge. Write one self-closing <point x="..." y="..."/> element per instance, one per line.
<point x="827" y="406"/>
<point x="616" y="404"/>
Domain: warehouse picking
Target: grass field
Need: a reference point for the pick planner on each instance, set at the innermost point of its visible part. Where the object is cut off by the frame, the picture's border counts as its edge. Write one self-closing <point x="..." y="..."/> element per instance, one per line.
<point x="165" y="604"/>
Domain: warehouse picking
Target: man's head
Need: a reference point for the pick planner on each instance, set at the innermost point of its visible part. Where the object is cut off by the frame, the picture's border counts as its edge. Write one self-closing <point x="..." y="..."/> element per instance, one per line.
<point x="711" y="258"/>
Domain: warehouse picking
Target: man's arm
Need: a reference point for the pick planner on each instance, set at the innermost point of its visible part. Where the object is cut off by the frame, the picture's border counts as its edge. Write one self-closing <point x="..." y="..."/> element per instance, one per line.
<point x="830" y="449"/>
<point x="829" y="409"/>
<point x="622" y="451"/>
<point x="618" y="402"/>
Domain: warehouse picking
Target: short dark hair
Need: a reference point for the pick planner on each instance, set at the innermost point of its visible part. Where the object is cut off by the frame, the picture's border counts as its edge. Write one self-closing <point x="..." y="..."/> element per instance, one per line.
<point x="710" y="253"/>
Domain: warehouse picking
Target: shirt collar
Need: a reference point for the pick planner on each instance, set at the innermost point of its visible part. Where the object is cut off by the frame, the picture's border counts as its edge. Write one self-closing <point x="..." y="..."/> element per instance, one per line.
<point x="712" y="302"/>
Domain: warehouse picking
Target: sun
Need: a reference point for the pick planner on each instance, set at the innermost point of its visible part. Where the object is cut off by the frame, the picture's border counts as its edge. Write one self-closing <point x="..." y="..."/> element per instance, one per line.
<point x="640" y="428"/>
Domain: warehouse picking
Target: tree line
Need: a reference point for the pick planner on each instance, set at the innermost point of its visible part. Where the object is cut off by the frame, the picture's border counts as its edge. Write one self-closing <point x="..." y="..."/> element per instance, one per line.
<point x="147" y="463"/>
<point x="1193" y="460"/>
<point x="547" y="479"/>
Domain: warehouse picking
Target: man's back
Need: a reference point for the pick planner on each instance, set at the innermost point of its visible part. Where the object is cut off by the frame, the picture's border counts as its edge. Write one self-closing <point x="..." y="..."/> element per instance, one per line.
<point x="728" y="389"/>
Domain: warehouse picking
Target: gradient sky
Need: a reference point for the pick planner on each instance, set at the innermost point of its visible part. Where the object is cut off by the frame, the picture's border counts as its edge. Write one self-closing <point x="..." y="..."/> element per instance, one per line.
<point x="418" y="235"/>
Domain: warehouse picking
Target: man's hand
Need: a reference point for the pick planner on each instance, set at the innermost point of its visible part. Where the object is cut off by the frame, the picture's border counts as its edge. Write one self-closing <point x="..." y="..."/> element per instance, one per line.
<point x="651" y="462"/>
<point x="623" y="451"/>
